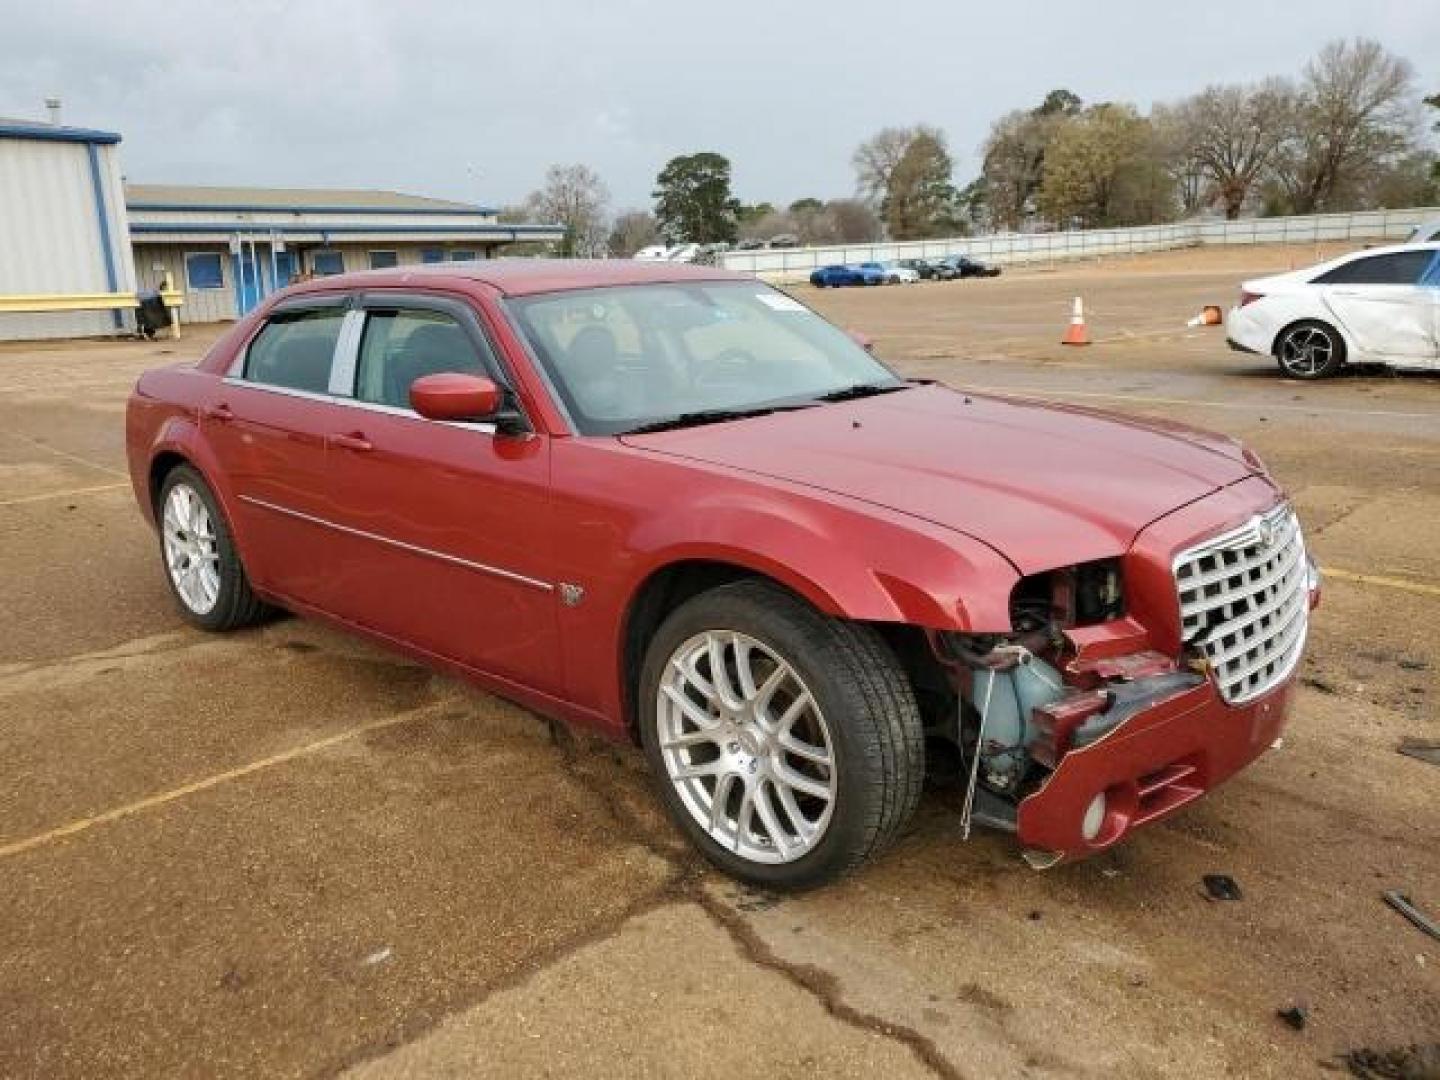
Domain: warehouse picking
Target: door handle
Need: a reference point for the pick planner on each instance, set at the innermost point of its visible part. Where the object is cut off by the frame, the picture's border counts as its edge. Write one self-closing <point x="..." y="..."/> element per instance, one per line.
<point x="221" y="413"/>
<point x="353" y="441"/>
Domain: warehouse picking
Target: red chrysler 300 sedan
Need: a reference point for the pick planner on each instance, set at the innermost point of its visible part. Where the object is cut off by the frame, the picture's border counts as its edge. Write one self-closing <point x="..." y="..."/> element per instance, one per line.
<point x="678" y="506"/>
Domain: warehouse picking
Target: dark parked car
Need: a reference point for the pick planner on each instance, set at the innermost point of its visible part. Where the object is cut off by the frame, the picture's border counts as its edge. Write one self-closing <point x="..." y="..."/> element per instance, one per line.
<point x="962" y="266"/>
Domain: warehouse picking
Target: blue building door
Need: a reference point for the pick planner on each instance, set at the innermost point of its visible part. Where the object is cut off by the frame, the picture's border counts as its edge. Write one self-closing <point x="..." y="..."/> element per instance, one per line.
<point x="248" y="287"/>
<point x="284" y="269"/>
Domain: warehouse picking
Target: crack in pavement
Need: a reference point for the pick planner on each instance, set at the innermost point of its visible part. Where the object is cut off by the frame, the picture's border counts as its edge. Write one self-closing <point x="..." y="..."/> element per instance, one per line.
<point x="822" y="985"/>
<point x="685" y="885"/>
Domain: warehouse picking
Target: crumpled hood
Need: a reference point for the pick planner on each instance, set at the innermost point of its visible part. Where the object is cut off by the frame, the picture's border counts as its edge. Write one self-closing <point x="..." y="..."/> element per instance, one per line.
<point x="1044" y="485"/>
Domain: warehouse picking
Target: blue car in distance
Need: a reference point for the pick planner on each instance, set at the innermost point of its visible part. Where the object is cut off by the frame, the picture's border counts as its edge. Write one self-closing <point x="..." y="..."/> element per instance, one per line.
<point x="835" y="276"/>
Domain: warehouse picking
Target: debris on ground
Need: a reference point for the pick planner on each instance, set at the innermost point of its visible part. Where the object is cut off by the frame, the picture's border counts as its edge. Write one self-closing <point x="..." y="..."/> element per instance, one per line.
<point x="1401" y="903"/>
<point x="1415" y="1062"/>
<point x="1426" y="750"/>
<point x="1295" y="1016"/>
<point x="1221" y="887"/>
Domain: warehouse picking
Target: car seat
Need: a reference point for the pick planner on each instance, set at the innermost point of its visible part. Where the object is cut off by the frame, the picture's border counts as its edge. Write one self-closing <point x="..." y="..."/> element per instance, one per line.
<point x="429" y="350"/>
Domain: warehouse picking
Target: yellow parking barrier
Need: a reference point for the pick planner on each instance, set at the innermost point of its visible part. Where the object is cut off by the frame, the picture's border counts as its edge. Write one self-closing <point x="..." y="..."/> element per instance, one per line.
<point x="41" y="303"/>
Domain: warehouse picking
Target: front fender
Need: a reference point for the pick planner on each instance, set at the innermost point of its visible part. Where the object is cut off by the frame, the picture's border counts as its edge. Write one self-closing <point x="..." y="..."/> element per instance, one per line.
<point x="868" y="565"/>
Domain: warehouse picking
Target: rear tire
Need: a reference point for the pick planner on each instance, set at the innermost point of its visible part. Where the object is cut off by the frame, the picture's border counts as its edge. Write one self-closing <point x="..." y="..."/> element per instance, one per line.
<point x="812" y="724"/>
<point x="1310" y="349"/>
<point x="197" y="549"/>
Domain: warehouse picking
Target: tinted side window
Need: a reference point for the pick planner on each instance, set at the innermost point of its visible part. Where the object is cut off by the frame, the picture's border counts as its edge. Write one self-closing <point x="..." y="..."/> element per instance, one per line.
<point x="294" y="349"/>
<point x="400" y="346"/>
<point x="1400" y="268"/>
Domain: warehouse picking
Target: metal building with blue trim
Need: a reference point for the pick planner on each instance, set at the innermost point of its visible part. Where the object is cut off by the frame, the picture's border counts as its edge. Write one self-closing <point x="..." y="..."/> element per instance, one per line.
<point x="228" y="248"/>
<point x="63" y="227"/>
<point x="76" y="242"/>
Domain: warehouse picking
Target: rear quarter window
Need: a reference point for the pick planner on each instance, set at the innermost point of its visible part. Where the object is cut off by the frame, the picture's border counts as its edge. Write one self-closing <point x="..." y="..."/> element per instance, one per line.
<point x="294" y="350"/>
<point x="1397" y="268"/>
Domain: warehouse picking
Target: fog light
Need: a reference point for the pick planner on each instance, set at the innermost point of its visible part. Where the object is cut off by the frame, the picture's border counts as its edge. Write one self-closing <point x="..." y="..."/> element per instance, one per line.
<point x="1094" y="819"/>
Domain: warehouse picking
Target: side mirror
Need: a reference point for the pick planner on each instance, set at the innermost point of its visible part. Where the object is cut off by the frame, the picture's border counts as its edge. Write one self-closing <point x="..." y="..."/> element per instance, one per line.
<point x="451" y="395"/>
<point x="861" y="340"/>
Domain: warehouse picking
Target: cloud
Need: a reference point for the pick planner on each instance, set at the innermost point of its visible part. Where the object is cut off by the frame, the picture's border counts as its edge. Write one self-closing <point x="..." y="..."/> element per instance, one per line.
<point x="474" y="100"/>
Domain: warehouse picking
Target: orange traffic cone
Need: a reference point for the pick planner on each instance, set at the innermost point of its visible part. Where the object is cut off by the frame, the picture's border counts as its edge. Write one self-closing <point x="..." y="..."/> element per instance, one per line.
<point x="1077" y="334"/>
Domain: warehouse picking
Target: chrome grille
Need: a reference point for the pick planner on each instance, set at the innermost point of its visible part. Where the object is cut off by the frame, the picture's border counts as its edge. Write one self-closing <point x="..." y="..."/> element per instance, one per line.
<point x="1244" y="602"/>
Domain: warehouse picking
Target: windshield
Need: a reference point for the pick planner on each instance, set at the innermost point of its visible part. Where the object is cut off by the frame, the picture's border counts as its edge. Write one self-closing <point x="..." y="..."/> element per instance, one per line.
<point x="635" y="356"/>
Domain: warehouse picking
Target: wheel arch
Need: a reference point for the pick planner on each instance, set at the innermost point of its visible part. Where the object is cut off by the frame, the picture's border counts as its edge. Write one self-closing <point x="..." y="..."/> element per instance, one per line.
<point x="162" y="465"/>
<point x="179" y="442"/>
<point x="667" y="587"/>
<point x="902" y="612"/>
<point x="1329" y="323"/>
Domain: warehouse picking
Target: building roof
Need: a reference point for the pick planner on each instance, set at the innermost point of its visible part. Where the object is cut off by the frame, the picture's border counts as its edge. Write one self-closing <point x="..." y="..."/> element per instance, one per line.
<point x="36" y="129"/>
<point x="524" y="277"/>
<point x="334" y="200"/>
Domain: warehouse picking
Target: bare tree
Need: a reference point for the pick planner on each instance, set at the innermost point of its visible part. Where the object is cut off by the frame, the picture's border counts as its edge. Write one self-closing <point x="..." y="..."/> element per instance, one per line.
<point x="1193" y="192"/>
<point x="769" y="224"/>
<point x="852" y="221"/>
<point x="1355" y="117"/>
<point x="632" y="230"/>
<point x="920" y="199"/>
<point x="575" y="198"/>
<point x="1013" y="156"/>
<point x="876" y="158"/>
<point x="1231" y="135"/>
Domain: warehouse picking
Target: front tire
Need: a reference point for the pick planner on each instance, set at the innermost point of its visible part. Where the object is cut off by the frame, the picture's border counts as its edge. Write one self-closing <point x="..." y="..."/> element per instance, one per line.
<point x="786" y="745"/>
<point x="1310" y="350"/>
<point x="197" y="548"/>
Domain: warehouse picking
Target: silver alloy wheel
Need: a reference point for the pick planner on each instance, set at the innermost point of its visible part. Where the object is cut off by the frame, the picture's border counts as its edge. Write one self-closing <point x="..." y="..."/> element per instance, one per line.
<point x="1306" y="350"/>
<point x="192" y="555"/>
<point x="746" y="746"/>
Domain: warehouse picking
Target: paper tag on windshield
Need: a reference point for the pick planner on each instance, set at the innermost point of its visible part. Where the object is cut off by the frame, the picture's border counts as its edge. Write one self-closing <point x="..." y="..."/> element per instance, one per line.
<point x="779" y="302"/>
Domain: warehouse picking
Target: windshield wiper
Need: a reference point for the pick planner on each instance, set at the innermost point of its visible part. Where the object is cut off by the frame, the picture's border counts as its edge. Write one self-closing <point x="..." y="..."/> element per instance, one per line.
<point x="861" y="390"/>
<point x="706" y="416"/>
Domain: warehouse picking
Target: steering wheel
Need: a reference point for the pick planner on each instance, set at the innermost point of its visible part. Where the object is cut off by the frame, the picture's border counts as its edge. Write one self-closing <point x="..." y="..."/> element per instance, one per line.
<point x="725" y="368"/>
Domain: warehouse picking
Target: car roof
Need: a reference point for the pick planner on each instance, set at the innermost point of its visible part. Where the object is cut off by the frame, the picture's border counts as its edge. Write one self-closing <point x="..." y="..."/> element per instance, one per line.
<point x="1365" y="253"/>
<point x="524" y="277"/>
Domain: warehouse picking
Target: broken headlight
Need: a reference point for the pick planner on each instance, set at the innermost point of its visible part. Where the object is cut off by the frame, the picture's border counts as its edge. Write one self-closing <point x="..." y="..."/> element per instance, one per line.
<point x="1081" y="595"/>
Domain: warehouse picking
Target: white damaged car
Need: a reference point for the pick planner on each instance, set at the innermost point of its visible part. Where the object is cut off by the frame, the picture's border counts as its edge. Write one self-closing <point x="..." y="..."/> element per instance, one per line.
<point x="1379" y="306"/>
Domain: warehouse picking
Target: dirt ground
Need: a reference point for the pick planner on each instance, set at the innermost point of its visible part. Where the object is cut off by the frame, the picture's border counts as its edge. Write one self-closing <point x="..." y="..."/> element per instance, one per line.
<point x="285" y="852"/>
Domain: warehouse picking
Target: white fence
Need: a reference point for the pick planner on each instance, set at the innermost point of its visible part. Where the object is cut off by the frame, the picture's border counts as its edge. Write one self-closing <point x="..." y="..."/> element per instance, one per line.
<point x="795" y="264"/>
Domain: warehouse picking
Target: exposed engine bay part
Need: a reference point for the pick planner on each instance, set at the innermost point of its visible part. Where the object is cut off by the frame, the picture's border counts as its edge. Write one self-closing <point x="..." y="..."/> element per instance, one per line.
<point x="1026" y="699"/>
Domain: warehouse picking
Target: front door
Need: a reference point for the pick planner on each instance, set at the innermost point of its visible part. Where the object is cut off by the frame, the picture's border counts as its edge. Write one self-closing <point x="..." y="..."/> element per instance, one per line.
<point x="248" y="287"/>
<point x="282" y="269"/>
<point x="445" y="541"/>
<point x="1382" y="304"/>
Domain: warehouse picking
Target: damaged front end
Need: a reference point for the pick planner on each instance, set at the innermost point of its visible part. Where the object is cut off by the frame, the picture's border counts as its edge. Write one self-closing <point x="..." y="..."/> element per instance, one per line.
<point x="1096" y="713"/>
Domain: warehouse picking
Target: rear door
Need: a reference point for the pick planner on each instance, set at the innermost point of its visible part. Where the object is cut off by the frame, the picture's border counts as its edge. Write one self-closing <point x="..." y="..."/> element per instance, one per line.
<point x="443" y="537"/>
<point x="1381" y="303"/>
<point x="268" y="428"/>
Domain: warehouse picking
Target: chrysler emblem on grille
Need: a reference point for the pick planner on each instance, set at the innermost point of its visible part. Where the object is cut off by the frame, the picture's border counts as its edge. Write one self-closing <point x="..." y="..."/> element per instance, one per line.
<point x="1266" y="530"/>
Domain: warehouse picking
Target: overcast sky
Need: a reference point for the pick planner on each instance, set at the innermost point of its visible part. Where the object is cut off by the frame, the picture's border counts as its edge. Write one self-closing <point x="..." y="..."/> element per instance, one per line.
<point x="473" y="100"/>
